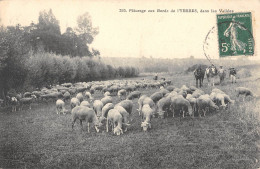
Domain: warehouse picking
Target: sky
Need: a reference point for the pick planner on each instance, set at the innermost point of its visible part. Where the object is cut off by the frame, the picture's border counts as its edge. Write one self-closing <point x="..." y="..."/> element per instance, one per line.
<point x="136" y="34"/>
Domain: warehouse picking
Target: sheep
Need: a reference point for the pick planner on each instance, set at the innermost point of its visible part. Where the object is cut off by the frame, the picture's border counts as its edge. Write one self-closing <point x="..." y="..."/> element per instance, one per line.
<point x="107" y="99"/>
<point x="215" y="90"/>
<point x="221" y="98"/>
<point x="204" y="103"/>
<point x="89" y="96"/>
<point x="133" y="95"/>
<point x="27" y="100"/>
<point x="146" y="114"/>
<point x="52" y="95"/>
<point x="107" y="94"/>
<point x="140" y="103"/>
<point x="80" y="97"/>
<point x="197" y="93"/>
<point x="179" y="103"/>
<point x="163" y="105"/>
<point x="244" y="91"/>
<point x="74" y="102"/>
<point x="114" y="117"/>
<point x="85" y="103"/>
<point x="105" y="110"/>
<point x="125" y="115"/>
<point x="192" y="101"/>
<point x="60" y="106"/>
<point x="14" y="103"/>
<point x="170" y="88"/>
<point x="66" y="96"/>
<point x="164" y="91"/>
<point x="97" y="106"/>
<point x="121" y="93"/>
<point x="85" y="114"/>
<point x="156" y="96"/>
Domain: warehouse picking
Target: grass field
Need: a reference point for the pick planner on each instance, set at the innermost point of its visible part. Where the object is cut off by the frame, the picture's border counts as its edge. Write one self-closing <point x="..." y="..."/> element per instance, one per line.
<point x="39" y="138"/>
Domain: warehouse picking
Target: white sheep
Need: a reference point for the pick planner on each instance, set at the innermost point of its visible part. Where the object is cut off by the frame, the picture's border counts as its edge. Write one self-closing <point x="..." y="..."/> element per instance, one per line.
<point x="74" y="102"/>
<point x="125" y="116"/>
<point x="115" y="119"/>
<point x="60" y="106"/>
<point x="97" y="106"/>
<point x="85" y="114"/>
<point x="146" y="114"/>
<point x="85" y="103"/>
<point x="80" y="97"/>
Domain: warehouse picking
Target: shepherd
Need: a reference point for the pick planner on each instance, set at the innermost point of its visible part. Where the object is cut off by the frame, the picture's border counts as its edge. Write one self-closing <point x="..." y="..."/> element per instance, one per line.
<point x="211" y="72"/>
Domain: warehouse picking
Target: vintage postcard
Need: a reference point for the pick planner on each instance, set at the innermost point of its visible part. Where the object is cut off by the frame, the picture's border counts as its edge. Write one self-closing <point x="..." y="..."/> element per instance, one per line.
<point x="130" y="84"/>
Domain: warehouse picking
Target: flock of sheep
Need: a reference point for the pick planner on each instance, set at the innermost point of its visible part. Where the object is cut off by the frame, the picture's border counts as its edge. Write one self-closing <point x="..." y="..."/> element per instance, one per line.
<point x="167" y="100"/>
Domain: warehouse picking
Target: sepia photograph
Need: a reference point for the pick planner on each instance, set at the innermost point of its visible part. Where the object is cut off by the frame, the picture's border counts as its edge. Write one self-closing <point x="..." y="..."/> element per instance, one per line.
<point x="162" y="84"/>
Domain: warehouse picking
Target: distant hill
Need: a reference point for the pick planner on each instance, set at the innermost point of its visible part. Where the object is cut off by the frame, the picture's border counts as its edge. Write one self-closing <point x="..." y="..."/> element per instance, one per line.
<point x="174" y="65"/>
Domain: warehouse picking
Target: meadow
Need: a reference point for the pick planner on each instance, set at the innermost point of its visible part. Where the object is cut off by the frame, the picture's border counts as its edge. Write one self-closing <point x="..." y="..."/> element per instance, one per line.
<point x="39" y="138"/>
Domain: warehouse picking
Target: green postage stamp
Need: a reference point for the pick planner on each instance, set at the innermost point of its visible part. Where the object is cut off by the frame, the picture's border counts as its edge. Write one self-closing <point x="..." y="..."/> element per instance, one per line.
<point x="235" y="35"/>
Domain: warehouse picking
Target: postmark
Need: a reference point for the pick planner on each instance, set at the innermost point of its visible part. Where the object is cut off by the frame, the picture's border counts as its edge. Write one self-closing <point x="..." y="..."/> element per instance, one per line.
<point x="235" y="34"/>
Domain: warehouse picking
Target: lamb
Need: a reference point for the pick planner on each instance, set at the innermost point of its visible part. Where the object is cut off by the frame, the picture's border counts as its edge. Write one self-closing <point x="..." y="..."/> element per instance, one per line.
<point x="114" y="117"/>
<point x="146" y="114"/>
<point x="85" y="103"/>
<point x="27" y="100"/>
<point x="204" y="103"/>
<point x="97" y="106"/>
<point x="85" y="114"/>
<point x="74" y="102"/>
<point x="121" y="93"/>
<point x="80" y="97"/>
<point x="60" y="106"/>
<point x="133" y="95"/>
<point x="107" y="99"/>
<point x="179" y="103"/>
<point x="163" y="105"/>
<point x="125" y="116"/>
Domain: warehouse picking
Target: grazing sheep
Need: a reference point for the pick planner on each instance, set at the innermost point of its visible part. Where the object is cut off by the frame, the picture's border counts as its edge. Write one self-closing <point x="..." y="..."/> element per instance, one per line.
<point x="115" y="118"/>
<point x="164" y="91"/>
<point x="105" y="110"/>
<point x="193" y="102"/>
<point x="204" y="103"/>
<point x="121" y="93"/>
<point x="85" y="114"/>
<point x="133" y="95"/>
<point x="146" y="114"/>
<point x="85" y="103"/>
<point x="140" y="103"/>
<point x="107" y="94"/>
<point x="74" y="102"/>
<point x="107" y="99"/>
<point x="97" y="106"/>
<point x="125" y="115"/>
<point x="80" y="97"/>
<point x="60" y="106"/>
<point x="197" y="93"/>
<point x="89" y="96"/>
<point x="179" y="103"/>
<point x="215" y="90"/>
<point x="170" y="88"/>
<point x="156" y="96"/>
<point x="127" y="105"/>
<point x="66" y="96"/>
<point x="27" y="100"/>
<point x="163" y="105"/>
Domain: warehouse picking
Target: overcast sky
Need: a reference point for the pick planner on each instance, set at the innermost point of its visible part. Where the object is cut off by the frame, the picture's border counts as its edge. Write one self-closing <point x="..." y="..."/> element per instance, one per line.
<point x="165" y="35"/>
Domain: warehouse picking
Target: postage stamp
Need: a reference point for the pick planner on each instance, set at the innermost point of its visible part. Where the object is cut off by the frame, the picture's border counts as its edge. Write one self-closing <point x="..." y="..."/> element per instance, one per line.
<point x="235" y="34"/>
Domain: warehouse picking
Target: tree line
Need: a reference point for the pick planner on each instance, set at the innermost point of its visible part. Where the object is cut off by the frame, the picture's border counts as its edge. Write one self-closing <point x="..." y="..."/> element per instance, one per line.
<point x="39" y="54"/>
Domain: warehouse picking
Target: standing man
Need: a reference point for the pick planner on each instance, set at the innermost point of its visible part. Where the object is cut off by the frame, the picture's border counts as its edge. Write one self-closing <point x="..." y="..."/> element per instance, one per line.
<point x="221" y="73"/>
<point x="232" y="74"/>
